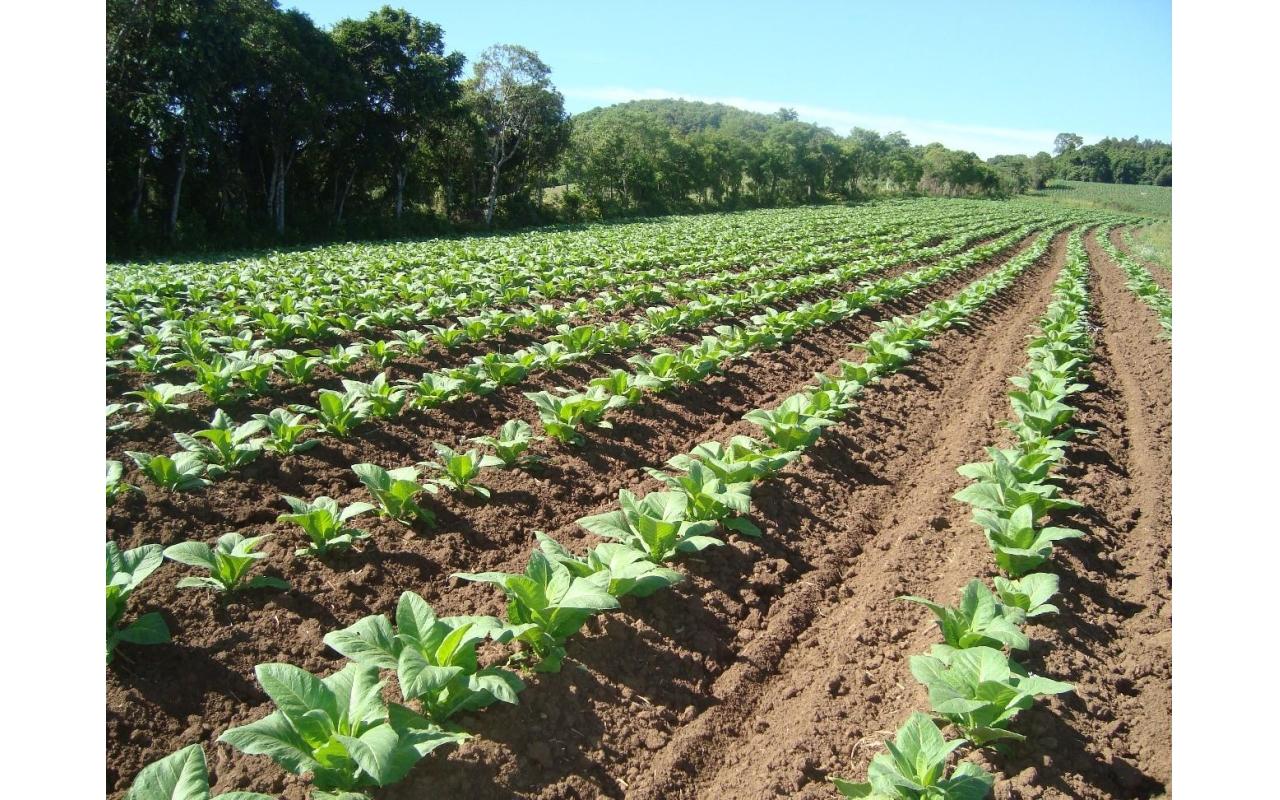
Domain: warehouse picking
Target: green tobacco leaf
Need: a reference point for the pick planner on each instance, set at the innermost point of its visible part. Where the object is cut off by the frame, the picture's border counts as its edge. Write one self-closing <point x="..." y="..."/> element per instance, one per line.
<point x="178" y="776"/>
<point x="148" y="629"/>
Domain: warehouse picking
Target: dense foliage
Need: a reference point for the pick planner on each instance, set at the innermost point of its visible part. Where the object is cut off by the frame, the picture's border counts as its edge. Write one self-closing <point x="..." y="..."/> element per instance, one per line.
<point x="234" y="123"/>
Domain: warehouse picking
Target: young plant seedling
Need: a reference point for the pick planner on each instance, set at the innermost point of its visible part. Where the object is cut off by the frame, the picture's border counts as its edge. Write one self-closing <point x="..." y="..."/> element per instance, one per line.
<point x="338" y="413"/>
<point x="338" y="729"/>
<point x="181" y="472"/>
<point x="979" y="620"/>
<point x="396" y="492"/>
<point x="125" y="571"/>
<point x="980" y="690"/>
<point x="548" y="597"/>
<point x="324" y="523"/>
<point x="228" y="563"/>
<point x="511" y="445"/>
<point x="161" y="398"/>
<point x="915" y="768"/>
<point x="226" y="446"/>
<point x="710" y="498"/>
<point x="459" y="470"/>
<point x="1029" y="595"/>
<point x="434" y="657"/>
<point x="284" y="432"/>
<point x="630" y="571"/>
<point x="657" y="525"/>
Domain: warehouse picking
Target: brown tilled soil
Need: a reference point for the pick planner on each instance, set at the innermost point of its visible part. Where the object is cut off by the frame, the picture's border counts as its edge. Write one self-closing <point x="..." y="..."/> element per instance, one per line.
<point x="780" y="661"/>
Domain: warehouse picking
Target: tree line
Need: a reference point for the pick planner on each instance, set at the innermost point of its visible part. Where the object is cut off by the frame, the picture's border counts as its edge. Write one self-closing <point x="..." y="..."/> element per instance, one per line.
<point x="234" y="123"/>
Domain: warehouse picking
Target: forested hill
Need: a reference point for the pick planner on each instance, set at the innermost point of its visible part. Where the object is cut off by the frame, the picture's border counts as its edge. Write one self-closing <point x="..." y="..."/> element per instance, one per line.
<point x="235" y="124"/>
<point x="674" y="154"/>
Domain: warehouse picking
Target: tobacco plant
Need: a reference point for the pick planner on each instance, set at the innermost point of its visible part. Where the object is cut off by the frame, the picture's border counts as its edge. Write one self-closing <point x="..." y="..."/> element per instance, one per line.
<point x="228" y="563"/>
<point x="710" y="498"/>
<point x="657" y="525"/>
<point x="1029" y="595"/>
<point x="978" y="621"/>
<point x="1020" y="546"/>
<point x="181" y="472"/>
<point x="181" y="775"/>
<point x="743" y="460"/>
<point x="337" y="729"/>
<point x="434" y="657"/>
<point x="125" y="571"/>
<point x="116" y="486"/>
<point x="551" y="599"/>
<point x="790" y="426"/>
<point x="324" y="523"/>
<point x="980" y="690"/>
<point x="297" y="367"/>
<point x="284" y="432"/>
<point x="458" y="471"/>
<point x="226" y="446"/>
<point x="433" y="390"/>
<point x="160" y="398"/>
<point x="337" y="413"/>
<point x="915" y="768"/>
<point x="384" y="399"/>
<point x="511" y="445"/>
<point x="562" y="414"/>
<point x="629" y="570"/>
<point x="396" y="492"/>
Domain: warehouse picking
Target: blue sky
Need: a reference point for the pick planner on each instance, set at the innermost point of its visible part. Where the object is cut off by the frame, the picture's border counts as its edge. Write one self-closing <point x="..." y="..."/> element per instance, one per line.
<point x="992" y="77"/>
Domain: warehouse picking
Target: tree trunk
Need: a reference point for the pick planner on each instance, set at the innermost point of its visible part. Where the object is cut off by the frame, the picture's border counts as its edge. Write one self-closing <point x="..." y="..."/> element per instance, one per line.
<point x="492" y="205"/>
<point x="342" y="189"/>
<point x="280" y="205"/>
<point x="177" y="193"/>
<point x="139" y="190"/>
<point x="272" y="191"/>
<point x="401" y="175"/>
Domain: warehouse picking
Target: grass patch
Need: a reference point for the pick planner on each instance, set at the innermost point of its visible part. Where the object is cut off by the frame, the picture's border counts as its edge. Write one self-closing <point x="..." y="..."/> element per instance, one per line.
<point x="1151" y="201"/>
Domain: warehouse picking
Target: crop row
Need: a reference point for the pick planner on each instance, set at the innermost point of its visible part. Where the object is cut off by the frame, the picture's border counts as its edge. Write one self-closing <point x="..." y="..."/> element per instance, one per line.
<point x="1140" y="281"/>
<point x="342" y="733"/>
<point x="212" y="452"/>
<point x="563" y="413"/>
<point x="974" y="684"/>
<point x="315" y="305"/>
<point x="230" y="363"/>
<point x="474" y="273"/>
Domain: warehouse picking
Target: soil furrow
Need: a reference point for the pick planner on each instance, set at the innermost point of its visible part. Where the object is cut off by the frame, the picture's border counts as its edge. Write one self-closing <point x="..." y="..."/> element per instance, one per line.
<point x="834" y="683"/>
<point x="669" y="686"/>
<point x="207" y="679"/>
<point x="1113" y="637"/>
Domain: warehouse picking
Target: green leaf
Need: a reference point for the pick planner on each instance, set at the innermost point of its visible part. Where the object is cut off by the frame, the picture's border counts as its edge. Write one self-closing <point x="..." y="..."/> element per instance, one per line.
<point x="855" y="790"/>
<point x="178" y="776"/>
<point x="368" y="641"/>
<point x="193" y="554"/>
<point x="381" y="755"/>
<point x="418" y="678"/>
<point x="273" y="736"/>
<point x="297" y="692"/>
<point x="148" y="629"/>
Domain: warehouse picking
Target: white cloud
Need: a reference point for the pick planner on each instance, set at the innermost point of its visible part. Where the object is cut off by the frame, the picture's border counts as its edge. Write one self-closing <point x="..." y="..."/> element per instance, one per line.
<point x="984" y="140"/>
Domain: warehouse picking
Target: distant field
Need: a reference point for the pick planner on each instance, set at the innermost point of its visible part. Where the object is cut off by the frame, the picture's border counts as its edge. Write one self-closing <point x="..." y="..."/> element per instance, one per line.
<point x="1156" y="201"/>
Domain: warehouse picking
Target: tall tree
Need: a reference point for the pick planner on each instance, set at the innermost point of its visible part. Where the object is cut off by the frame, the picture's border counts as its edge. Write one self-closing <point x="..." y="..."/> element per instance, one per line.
<point x="1066" y="142"/>
<point x="409" y="86"/>
<point x="298" y="78"/>
<point x="516" y="100"/>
